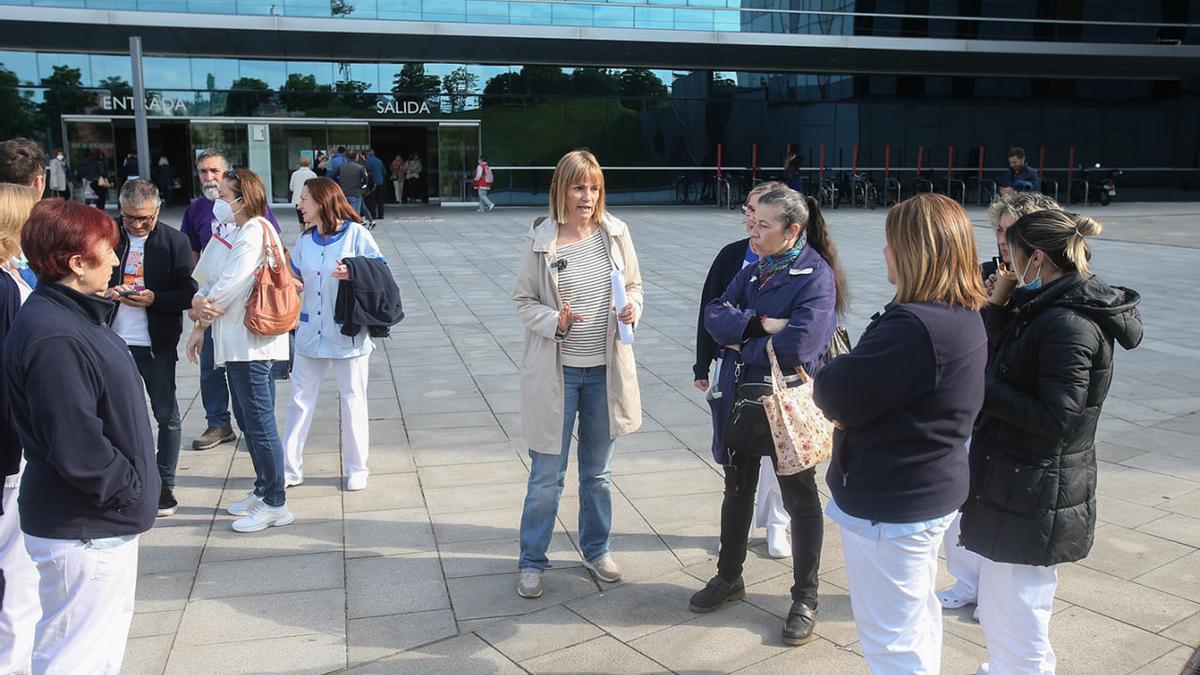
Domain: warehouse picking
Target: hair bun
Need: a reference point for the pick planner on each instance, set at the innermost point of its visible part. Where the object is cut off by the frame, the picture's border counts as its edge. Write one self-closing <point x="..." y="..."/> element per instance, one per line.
<point x="1087" y="226"/>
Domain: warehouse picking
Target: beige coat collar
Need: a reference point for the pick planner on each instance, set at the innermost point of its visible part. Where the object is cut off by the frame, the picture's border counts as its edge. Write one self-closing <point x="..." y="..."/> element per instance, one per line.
<point x="545" y="233"/>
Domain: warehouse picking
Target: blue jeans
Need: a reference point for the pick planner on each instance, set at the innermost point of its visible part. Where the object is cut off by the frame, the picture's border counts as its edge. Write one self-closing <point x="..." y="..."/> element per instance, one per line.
<point x="586" y="393"/>
<point x="158" y="372"/>
<point x="356" y="203"/>
<point x="214" y="390"/>
<point x="253" y="391"/>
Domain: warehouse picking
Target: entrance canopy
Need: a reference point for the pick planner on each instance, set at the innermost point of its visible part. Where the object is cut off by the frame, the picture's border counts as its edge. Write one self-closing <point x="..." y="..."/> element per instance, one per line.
<point x="369" y="40"/>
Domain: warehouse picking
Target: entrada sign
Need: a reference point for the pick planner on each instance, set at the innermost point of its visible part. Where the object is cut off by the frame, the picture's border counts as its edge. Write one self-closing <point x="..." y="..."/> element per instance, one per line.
<point x="152" y="103"/>
<point x="401" y="108"/>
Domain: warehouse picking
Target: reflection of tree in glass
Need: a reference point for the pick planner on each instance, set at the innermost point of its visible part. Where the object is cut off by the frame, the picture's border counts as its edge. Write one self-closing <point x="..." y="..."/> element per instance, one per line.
<point x="353" y="94"/>
<point x="595" y="82"/>
<point x="64" y="95"/>
<point x="412" y="84"/>
<point x="457" y="85"/>
<point x="341" y="7"/>
<point x="301" y="92"/>
<point x="20" y="112"/>
<point x="642" y="90"/>
<point x="246" y="95"/>
<point x="531" y="85"/>
<point x="116" y="85"/>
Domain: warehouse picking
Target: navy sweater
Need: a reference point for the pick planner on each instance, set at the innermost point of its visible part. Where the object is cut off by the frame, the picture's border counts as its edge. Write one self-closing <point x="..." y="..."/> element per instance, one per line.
<point x="907" y="395"/>
<point x="79" y="408"/>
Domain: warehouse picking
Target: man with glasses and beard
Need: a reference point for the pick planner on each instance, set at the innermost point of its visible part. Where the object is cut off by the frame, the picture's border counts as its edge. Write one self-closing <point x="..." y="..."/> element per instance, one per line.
<point x="198" y="224"/>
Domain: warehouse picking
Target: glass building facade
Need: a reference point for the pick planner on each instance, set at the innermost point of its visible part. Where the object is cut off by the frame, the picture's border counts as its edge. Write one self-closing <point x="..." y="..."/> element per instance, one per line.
<point x="663" y="133"/>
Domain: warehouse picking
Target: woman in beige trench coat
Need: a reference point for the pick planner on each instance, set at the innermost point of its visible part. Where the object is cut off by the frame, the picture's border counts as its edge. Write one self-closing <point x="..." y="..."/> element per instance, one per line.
<point x="575" y="363"/>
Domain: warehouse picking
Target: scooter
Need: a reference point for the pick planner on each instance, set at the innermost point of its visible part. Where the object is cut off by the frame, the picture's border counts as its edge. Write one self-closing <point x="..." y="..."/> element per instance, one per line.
<point x="1095" y="185"/>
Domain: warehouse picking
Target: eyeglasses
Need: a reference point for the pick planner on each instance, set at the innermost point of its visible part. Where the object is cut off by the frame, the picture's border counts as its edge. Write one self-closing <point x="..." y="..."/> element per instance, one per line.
<point x="138" y="220"/>
<point x="747" y="210"/>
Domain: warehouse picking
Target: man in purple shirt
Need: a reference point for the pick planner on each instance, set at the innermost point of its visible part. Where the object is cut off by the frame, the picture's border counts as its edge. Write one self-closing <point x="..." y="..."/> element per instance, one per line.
<point x="198" y="222"/>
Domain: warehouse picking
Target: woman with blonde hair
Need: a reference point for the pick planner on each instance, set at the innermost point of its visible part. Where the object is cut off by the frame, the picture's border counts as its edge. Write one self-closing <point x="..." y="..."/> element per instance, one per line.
<point x="20" y="610"/>
<point x="1032" y="504"/>
<point x="226" y="275"/>
<point x="904" y="401"/>
<point x="335" y="233"/>
<point x="575" y="362"/>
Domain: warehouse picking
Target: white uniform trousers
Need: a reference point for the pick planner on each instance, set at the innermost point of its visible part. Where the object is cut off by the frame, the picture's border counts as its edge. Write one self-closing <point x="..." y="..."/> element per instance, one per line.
<point x="963" y="564"/>
<point x="307" y="373"/>
<point x="1015" y="604"/>
<point x="87" y="605"/>
<point x="20" y="609"/>
<point x="768" y="507"/>
<point x="898" y="616"/>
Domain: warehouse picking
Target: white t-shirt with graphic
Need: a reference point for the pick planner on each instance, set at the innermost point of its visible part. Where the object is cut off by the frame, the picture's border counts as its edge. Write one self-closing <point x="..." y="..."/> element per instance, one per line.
<point x="131" y="322"/>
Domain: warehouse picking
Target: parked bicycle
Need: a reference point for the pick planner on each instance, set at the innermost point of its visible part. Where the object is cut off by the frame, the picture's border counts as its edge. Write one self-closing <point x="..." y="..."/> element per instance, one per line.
<point x="828" y="194"/>
<point x="863" y="192"/>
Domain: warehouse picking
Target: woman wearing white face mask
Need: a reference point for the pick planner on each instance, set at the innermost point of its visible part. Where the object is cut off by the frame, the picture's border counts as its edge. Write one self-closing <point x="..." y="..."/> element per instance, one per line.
<point x="225" y="275"/>
<point x="1032" y="503"/>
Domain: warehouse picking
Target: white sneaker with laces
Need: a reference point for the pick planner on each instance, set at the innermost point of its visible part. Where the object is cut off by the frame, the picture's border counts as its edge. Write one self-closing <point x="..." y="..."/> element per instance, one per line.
<point x="262" y="517"/>
<point x="245" y="505"/>
<point x="605" y="568"/>
<point x="530" y="584"/>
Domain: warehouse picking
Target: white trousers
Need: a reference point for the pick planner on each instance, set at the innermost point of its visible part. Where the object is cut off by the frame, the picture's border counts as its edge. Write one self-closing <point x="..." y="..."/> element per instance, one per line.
<point x="87" y="605"/>
<point x="963" y="564"/>
<point x="20" y="609"/>
<point x="351" y="375"/>
<point x="1015" y="604"/>
<point x="892" y="595"/>
<point x="484" y="202"/>
<point x="768" y="504"/>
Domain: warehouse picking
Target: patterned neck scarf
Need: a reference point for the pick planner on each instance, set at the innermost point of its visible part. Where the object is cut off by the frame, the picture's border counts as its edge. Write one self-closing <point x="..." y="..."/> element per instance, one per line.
<point x="769" y="265"/>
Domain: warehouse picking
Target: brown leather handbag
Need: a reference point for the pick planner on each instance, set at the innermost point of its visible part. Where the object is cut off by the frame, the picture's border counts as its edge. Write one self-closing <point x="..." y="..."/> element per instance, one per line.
<point x="274" y="305"/>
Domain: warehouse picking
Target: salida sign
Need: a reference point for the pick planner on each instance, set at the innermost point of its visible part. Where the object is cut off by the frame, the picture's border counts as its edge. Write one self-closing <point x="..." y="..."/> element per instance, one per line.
<point x="401" y="108"/>
<point x="153" y="103"/>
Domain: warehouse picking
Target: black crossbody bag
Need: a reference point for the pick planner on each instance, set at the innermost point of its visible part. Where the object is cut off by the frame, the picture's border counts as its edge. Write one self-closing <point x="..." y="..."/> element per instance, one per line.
<point x="747" y="430"/>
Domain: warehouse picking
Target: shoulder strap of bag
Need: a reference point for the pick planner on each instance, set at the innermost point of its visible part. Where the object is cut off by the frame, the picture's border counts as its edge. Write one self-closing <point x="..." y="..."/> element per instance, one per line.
<point x="539" y="220"/>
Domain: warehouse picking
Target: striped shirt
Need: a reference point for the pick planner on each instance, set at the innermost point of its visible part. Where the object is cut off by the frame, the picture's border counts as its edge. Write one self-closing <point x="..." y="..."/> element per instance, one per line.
<point x="586" y="283"/>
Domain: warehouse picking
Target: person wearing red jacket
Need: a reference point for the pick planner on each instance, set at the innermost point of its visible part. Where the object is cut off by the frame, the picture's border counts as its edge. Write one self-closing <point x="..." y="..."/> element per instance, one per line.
<point x="483" y="183"/>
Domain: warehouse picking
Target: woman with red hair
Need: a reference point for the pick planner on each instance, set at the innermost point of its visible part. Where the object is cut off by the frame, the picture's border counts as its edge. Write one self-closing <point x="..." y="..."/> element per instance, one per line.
<point x="91" y="483"/>
<point x="335" y="232"/>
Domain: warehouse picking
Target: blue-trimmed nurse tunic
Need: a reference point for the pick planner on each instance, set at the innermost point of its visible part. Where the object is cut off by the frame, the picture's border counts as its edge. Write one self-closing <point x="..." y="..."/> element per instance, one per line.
<point x="314" y="258"/>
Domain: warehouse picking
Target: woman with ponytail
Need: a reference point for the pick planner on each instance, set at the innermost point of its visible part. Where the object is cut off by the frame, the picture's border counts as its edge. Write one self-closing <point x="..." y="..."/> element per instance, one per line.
<point x="1032" y="503"/>
<point x="791" y="295"/>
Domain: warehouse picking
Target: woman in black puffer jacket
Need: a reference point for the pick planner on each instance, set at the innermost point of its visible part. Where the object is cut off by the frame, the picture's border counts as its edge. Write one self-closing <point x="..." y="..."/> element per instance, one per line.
<point x="1033" y="462"/>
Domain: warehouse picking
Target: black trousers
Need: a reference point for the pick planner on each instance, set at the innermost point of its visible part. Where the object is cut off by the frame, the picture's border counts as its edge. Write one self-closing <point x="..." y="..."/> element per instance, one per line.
<point x="375" y="202"/>
<point x="800" y="500"/>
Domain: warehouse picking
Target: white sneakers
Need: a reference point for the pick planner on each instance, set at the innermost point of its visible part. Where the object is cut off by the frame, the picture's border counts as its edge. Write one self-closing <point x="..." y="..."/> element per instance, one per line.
<point x="356" y="482"/>
<point x="263" y="516"/>
<point x="953" y="598"/>
<point x="293" y="481"/>
<point x="605" y="568"/>
<point x="245" y="505"/>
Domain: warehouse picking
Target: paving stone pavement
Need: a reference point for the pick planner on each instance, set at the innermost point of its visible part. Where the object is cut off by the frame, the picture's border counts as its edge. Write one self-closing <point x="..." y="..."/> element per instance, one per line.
<point x="417" y="573"/>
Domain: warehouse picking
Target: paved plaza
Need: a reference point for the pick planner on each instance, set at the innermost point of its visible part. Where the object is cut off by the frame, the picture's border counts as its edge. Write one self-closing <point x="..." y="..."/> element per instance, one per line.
<point x="417" y="573"/>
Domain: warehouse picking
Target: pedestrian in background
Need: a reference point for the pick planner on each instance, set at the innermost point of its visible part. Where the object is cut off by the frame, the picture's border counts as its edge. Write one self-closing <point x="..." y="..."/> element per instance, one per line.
<point x="483" y="183"/>
<point x="1032" y="504"/>
<point x="23" y="162"/>
<point x="378" y="179"/>
<point x="89" y="487"/>
<point x="396" y="173"/>
<point x="352" y="176"/>
<point x="60" y="172"/>
<point x="904" y="401"/>
<point x="19" y="606"/>
<point x="413" y="169"/>
<point x="164" y="179"/>
<point x="300" y="176"/>
<point x="225" y="276"/>
<point x="575" y="363"/>
<point x="335" y="233"/>
<point x="790" y="300"/>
